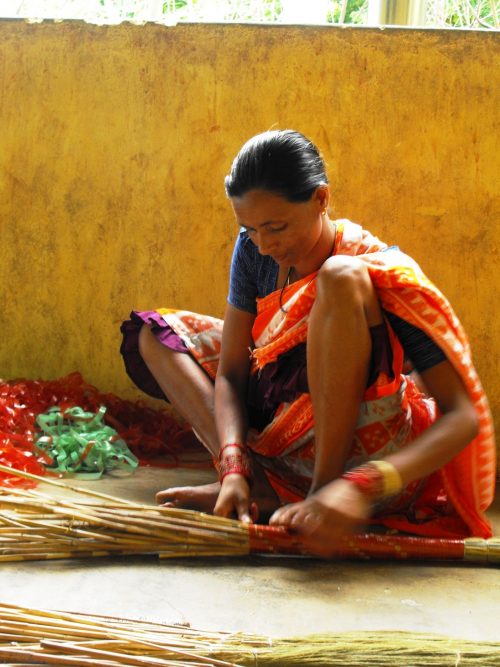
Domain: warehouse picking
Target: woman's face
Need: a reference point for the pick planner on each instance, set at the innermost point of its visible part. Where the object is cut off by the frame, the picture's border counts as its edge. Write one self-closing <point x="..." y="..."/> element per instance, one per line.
<point x="288" y="231"/>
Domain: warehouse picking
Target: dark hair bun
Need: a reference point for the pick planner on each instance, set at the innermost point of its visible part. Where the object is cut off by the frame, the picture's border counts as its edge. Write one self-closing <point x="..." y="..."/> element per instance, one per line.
<point x="284" y="162"/>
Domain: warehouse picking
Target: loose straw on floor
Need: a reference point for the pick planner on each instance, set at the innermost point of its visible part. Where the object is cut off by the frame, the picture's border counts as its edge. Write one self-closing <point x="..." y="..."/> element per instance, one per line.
<point x="42" y="637"/>
<point x="37" y="526"/>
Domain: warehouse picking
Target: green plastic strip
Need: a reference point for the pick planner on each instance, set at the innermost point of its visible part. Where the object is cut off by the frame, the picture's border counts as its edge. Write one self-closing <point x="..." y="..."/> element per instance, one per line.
<point x="81" y="444"/>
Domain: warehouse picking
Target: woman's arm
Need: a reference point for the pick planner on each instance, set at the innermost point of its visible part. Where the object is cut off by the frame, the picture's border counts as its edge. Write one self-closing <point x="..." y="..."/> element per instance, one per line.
<point x="230" y="405"/>
<point x="338" y="508"/>
<point x="452" y="431"/>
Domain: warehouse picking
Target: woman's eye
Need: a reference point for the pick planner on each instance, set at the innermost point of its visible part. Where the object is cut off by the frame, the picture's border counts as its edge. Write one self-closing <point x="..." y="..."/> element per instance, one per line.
<point x="251" y="231"/>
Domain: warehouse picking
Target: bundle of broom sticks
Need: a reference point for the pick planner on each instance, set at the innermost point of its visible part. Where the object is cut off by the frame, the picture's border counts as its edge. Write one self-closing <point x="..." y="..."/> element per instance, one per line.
<point x="42" y="637"/>
<point x="35" y="525"/>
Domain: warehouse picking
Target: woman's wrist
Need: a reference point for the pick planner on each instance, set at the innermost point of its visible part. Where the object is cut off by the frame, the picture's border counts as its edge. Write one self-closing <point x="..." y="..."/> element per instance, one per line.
<point x="233" y="459"/>
<point x="375" y="479"/>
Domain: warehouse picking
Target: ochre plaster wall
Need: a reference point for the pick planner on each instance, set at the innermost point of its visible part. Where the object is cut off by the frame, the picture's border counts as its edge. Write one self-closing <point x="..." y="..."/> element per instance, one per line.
<point x="114" y="142"/>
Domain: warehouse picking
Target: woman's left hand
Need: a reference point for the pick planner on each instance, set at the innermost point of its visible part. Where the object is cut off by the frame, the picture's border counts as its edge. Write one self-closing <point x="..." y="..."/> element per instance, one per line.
<point x="333" y="512"/>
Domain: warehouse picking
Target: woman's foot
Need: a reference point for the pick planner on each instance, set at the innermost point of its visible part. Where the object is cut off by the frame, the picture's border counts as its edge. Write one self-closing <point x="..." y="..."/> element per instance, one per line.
<point x="204" y="497"/>
<point x="201" y="498"/>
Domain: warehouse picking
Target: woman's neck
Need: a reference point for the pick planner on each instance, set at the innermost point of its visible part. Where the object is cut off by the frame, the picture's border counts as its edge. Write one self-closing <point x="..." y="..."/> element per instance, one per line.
<point x="322" y="250"/>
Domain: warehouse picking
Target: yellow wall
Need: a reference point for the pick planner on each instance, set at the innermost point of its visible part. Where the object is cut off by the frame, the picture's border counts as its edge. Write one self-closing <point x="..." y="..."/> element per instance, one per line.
<point x="114" y="142"/>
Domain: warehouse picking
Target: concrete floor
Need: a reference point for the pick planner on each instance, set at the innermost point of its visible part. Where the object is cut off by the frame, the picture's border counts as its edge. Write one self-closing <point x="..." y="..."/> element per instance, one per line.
<point x="276" y="596"/>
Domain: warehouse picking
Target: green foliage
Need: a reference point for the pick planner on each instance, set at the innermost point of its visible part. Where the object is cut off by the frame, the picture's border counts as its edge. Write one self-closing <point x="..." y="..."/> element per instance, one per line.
<point x="464" y="13"/>
<point x="356" y="12"/>
<point x="478" y="14"/>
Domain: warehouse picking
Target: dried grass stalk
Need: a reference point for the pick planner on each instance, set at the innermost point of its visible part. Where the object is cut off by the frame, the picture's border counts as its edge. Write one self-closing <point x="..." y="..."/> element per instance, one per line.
<point x="60" y="638"/>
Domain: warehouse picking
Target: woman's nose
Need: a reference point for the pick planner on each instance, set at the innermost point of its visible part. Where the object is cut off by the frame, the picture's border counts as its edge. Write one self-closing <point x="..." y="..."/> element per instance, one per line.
<point x="265" y="245"/>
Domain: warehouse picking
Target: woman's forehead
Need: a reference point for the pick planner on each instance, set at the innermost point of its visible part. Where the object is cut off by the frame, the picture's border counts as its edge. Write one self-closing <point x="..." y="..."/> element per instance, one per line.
<point x="261" y="206"/>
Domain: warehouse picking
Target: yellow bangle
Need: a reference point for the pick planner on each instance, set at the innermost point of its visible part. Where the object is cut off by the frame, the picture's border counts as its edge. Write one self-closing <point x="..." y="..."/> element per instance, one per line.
<point x="391" y="477"/>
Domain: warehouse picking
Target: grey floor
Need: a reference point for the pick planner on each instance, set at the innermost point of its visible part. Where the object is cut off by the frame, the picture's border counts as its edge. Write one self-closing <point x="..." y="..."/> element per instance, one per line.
<point x="276" y="596"/>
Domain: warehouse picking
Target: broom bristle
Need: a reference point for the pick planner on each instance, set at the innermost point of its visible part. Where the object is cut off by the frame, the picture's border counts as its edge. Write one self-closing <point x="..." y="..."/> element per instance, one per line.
<point x="35" y="636"/>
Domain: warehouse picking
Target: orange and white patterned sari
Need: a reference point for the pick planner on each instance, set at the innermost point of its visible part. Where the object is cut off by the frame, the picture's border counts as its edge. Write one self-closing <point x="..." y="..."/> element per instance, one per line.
<point x="393" y="411"/>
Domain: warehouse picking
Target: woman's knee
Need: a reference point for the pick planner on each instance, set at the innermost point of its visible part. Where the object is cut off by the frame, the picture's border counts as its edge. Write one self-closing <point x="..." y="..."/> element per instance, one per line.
<point x="152" y="351"/>
<point x="346" y="280"/>
<point x="147" y="342"/>
<point x="343" y="274"/>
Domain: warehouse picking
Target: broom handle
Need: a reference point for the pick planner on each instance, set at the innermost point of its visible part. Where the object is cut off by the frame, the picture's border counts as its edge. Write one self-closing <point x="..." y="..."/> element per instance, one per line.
<point x="268" y="539"/>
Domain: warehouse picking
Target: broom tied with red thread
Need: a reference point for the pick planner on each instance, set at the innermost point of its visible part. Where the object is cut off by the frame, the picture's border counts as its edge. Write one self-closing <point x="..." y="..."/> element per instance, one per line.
<point x="35" y="525"/>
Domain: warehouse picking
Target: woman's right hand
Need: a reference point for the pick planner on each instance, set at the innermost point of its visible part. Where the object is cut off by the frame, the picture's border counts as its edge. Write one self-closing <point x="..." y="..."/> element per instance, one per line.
<point x="230" y="409"/>
<point x="234" y="498"/>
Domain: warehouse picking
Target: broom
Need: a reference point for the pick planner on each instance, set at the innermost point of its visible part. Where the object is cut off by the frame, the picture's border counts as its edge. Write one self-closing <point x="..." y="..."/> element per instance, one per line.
<point x="37" y="526"/>
<point x="42" y="637"/>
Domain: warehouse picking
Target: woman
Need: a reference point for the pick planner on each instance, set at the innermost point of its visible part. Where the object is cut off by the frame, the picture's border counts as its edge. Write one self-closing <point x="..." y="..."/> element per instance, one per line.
<point x="300" y="396"/>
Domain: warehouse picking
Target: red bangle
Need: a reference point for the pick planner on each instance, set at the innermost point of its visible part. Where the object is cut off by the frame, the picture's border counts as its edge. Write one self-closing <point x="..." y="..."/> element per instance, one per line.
<point x="369" y="480"/>
<point x="237" y="463"/>
<point x="217" y="459"/>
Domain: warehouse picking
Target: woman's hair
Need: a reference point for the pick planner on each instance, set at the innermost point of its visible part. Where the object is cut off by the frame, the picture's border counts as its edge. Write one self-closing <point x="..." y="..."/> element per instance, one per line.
<point x="283" y="162"/>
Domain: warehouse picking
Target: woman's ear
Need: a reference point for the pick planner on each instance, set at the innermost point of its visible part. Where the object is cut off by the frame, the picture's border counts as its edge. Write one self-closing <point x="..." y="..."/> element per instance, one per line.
<point x="322" y="197"/>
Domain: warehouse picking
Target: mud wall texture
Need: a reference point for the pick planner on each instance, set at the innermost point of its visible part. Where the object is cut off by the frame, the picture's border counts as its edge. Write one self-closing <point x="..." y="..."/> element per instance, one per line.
<point x="114" y="142"/>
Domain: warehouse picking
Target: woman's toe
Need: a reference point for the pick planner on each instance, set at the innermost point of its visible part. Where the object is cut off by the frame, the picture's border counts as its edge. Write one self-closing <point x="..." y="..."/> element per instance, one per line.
<point x="168" y="495"/>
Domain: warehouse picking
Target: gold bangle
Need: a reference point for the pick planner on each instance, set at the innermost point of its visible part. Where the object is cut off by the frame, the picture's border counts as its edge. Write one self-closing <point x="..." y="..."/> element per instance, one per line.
<point x="391" y="477"/>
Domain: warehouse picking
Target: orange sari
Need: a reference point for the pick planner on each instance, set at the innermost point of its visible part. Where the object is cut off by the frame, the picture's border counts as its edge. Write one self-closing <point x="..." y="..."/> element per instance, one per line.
<point x="393" y="412"/>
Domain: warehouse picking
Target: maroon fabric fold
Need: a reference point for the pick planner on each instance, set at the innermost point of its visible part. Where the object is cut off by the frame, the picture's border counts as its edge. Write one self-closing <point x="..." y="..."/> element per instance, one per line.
<point x="136" y="369"/>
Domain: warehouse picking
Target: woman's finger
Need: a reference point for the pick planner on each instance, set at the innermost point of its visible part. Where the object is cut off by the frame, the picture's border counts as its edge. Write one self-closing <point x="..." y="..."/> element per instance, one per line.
<point x="282" y="516"/>
<point x="243" y="511"/>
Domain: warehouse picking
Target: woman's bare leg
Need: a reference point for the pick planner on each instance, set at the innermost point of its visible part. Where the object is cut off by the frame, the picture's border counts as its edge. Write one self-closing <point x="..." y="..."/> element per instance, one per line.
<point x="338" y="358"/>
<point x="191" y="392"/>
<point x="187" y="387"/>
